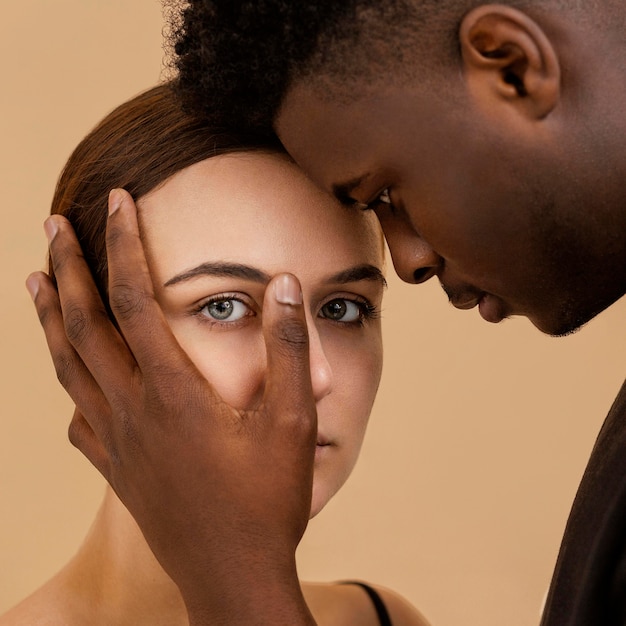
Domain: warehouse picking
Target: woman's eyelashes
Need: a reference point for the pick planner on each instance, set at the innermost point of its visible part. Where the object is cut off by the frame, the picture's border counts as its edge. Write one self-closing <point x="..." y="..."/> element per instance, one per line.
<point x="228" y="309"/>
<point x="349" y="311"/>
<point x="224" y="309"/>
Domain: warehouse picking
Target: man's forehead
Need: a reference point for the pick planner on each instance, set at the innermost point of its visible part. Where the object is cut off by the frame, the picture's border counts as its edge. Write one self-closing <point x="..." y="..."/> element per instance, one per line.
<point x="329" y="140"/>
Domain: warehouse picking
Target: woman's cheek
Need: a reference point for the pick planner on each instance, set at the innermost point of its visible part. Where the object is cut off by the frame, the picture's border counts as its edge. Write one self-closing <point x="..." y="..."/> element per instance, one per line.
<point x="357" y="364"/>
<point x="232" y="360"/>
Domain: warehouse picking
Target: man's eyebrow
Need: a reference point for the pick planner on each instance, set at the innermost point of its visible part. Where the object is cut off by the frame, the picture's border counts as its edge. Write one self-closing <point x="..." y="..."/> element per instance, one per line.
<point x="360" y="272"/>
<point x="232" y="270"/>
<point x="343" y="191"/>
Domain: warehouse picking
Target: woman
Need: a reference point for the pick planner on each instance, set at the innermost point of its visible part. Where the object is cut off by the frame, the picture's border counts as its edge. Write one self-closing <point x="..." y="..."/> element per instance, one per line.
<point x="219" y="215"/>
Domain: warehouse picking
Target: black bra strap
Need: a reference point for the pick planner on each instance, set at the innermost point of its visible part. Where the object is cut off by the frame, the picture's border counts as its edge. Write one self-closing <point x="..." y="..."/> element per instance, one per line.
<point x="379" y="605"/>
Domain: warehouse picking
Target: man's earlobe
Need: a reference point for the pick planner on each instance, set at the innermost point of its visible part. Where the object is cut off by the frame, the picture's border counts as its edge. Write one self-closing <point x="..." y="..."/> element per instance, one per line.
<point x="508" y="58"/>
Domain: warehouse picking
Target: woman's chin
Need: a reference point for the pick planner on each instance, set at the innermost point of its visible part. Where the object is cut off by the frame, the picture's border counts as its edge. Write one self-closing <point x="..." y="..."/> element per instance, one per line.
<point x="322" y="494"/>
<point x="319" y="499"/>
<point x="316" y="507"/>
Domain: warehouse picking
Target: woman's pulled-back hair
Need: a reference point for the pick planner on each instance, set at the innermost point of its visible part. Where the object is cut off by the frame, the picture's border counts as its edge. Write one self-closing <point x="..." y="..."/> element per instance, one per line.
<point x="138" y="146"/>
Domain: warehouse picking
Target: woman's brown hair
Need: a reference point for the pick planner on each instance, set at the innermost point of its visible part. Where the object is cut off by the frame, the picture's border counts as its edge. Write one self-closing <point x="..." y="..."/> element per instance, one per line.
<point x="138" y="146"/>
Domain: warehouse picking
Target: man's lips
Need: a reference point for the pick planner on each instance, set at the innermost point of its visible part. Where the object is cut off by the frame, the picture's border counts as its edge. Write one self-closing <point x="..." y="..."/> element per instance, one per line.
<point x="462" y="295"/>
<point x="491" y="308"/>
<point x="466" y="304"/>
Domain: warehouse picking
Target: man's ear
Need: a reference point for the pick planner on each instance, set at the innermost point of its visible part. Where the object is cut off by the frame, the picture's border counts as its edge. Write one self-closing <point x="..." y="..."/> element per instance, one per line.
<point x="507" y="58"/>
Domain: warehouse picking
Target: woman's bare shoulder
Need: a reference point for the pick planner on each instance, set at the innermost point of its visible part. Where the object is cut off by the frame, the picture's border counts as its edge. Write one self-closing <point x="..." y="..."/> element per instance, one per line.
<point x="401" y="611"/>
<point x="50" y="605"/>
<point x="339" y="604"/>
<point x="32" y="612"/>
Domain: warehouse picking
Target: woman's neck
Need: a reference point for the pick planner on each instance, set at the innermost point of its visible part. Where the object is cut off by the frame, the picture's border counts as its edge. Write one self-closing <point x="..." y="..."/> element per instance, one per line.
<point x="118" y="576"/>
<point x="115" y="579"/>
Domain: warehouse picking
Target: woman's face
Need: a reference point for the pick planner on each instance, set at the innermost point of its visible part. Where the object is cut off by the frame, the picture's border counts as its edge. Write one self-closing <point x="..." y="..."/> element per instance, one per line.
<point x="214" y="235"/>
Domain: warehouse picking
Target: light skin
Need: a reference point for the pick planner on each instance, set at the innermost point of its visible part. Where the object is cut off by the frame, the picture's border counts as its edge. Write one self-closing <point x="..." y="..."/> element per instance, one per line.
<point x="211" y="268"/>
<point x="242" y="219"/>
<point x="546" y="156"/>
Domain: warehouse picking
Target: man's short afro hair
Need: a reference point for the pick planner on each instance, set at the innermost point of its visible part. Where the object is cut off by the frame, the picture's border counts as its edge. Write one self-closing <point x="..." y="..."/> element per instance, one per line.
<point x="234" y="58"/>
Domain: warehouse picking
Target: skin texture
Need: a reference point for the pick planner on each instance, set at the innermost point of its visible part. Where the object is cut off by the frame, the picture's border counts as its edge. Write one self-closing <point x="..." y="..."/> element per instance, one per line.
<point x="115" y="580"/>
<point x="142" y="404"/>
<point x="196" y="262"/>
<point x="489" y="188"/>
<point x="316" y="243"/>
<point x="506" y="175"/>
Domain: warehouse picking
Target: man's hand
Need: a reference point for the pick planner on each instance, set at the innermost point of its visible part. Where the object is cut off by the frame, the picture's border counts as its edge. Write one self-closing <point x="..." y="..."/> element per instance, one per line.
<point x="221" y="495"/>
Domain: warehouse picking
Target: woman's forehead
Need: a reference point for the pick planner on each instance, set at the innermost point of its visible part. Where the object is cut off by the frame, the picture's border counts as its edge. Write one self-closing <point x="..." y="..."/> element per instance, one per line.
<point x="259" y="208"/>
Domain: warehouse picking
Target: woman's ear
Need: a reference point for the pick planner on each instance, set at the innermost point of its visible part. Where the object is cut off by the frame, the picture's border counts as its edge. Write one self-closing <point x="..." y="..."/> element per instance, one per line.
<point x="508" y="59"/>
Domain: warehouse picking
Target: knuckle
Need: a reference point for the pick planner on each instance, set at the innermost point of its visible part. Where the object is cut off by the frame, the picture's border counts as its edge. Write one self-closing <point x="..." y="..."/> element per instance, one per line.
<point x="77" y="324"/>
<point x="76" y="433"/>
<point x="126" y="301"/>
<point x="292" y="336"/>
<point x="65" y="367"/>
<point x="46" y="310"/>
<point x="115" y="237"/>
<point x="83" y="439"/>
<point x="60" y="255"/>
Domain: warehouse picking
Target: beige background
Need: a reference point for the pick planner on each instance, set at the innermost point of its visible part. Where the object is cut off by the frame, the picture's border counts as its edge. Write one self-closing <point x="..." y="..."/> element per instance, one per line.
<point x="479" y="436"/>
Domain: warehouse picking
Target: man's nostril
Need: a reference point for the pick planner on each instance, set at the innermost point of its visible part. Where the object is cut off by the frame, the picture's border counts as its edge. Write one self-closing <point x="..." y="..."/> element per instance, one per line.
<point x="423" y="273"/>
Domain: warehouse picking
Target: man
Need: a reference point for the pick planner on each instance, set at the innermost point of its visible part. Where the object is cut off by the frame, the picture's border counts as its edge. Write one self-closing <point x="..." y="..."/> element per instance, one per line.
<point x="490" y="141"/>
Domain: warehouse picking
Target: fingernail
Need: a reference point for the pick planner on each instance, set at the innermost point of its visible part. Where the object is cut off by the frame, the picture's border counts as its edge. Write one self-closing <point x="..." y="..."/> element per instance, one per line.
<point x="287" y="290"/>
<point x="32" y="285"/>
<point x="115" y="200"/>
<point x="51" y="228"/>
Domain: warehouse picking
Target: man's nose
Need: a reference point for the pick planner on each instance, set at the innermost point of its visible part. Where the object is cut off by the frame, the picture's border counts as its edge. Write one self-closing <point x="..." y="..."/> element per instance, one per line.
<point x="413" y="259"/>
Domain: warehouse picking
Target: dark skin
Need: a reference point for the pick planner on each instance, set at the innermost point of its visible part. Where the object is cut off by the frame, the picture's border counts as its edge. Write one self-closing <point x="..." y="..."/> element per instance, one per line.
<point x="496" y="189"/>
<point x="157" y="432"/>
<point x="502" y="193"/>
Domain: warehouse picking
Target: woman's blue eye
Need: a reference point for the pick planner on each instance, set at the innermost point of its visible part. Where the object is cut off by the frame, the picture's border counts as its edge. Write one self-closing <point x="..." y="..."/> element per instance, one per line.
<point x="342" y="310"/>
<point x="225" y="310"/>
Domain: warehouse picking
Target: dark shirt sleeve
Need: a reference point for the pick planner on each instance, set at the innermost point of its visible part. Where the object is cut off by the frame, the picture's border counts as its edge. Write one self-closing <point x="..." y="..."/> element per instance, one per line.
<point x="589" y="583"/>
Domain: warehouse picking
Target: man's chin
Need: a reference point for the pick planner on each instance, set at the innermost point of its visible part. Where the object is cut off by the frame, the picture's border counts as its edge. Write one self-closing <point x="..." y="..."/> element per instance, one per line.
<point x="563" y="325"/>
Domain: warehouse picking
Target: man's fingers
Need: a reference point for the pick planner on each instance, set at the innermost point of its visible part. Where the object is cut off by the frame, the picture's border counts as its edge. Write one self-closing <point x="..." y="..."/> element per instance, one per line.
<point x="289" y="404"/>
<point x="131" y="294"/>
<point x="70" y="369"/>
<point x="289" y="393"/>
<point x="82" y="436"/>
<point x="85" y="319"/>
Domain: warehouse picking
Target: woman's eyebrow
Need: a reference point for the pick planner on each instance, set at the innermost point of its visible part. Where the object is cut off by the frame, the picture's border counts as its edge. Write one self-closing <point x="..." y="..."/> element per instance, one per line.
<point x="232" y="270"/>
<point x="360" y="272"/>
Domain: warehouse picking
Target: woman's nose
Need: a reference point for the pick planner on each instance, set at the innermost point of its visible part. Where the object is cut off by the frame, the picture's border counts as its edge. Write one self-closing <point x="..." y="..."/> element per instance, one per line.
<point x="321" y="372"/>
<point x="413" y="259"/>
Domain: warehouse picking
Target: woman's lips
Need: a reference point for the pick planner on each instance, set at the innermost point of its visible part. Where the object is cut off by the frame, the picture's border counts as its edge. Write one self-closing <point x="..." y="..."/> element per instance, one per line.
<point x="322" y="446"/>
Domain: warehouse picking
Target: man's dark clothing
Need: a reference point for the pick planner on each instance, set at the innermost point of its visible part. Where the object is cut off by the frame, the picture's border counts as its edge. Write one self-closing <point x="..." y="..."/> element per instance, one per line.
<point x="589" y="583"/>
